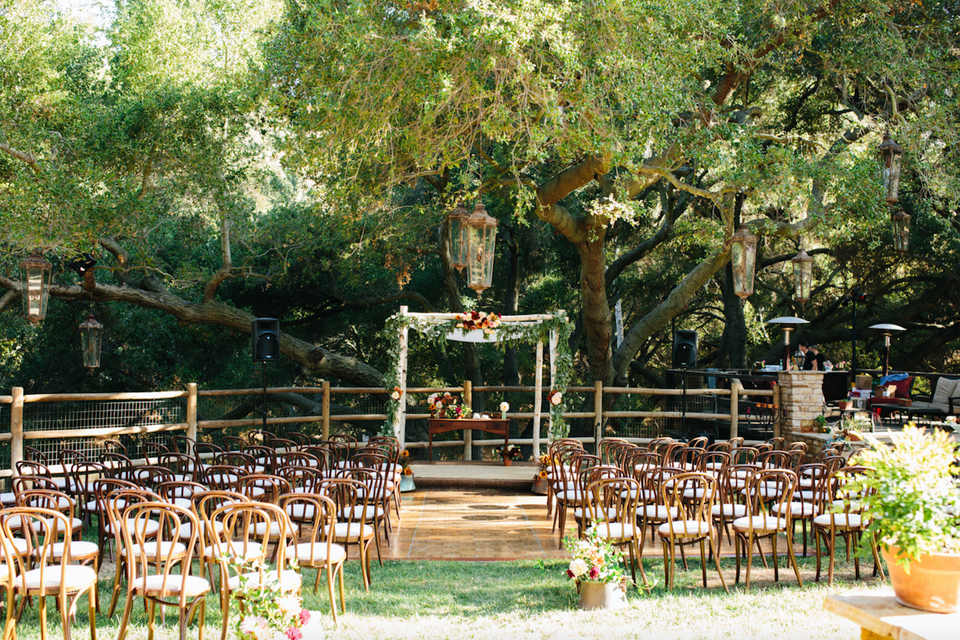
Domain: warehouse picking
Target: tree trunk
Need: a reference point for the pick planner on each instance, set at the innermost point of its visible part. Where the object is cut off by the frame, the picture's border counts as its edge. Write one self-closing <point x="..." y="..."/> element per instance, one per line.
<point x="511" y="304"/>
<point x="733" y="341"/>
<point x="597" y="322"/>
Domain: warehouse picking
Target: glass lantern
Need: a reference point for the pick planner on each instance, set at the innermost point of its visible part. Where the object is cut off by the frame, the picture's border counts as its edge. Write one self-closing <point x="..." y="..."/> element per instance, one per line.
<point x="743" y="258"/>
<point x="91" y="334"/>
<point x="890" y="155"/>
<point x="481" y="241"/>
<point x="901" y="231"/>
<point x="458" y="236"/>
<point x="802" y="276"/>
<point x="34" y="287"/>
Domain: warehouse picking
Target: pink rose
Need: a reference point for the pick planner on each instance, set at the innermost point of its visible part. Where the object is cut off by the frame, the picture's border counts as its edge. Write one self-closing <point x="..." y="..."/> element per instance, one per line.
<point x="294" y="634"/>
<point x="594" y="573"/>
<point x="304" y="616"/>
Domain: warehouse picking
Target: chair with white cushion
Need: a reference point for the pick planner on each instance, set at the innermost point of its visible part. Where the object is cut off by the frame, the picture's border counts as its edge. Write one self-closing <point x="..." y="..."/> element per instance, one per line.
<point x="353" y="502"/>
<point x="162" y="576"/>
<point x="318" y="550"/>
<point x="691" y="497"/>
<point x="769" y="493"/>
<point x="245" y="523"/>
<point x="42" y="571"/>
<point x="612" y="508"/>
<point x="843" y="515"/>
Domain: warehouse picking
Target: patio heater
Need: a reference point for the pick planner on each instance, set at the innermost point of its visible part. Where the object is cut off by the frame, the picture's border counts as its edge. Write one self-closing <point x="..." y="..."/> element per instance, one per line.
<point x="35" y="286"/>
<point x="788" y="324"/>
<point x="887" y="330"/>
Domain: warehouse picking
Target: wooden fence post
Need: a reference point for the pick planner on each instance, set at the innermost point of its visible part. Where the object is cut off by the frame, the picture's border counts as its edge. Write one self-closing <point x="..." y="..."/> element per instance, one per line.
<point x="326" y="409"/>
<point x="467" y="434"/>
<point x="192" y="411"/>
<point x="16" y="429"/>
<point x="735" y="388"/>
<point x="598" y="414"/>
<point x="538" y="399"/>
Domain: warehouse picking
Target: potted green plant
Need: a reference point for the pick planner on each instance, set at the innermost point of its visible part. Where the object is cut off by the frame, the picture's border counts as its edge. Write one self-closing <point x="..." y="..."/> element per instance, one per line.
<point x="597" y="568"/>
<point x="509" y="453"/>
<point x="912" y="496"/>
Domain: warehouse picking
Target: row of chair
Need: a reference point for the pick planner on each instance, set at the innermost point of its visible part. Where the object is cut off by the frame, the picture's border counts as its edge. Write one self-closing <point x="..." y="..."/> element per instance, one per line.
<point x="692" y="494"/>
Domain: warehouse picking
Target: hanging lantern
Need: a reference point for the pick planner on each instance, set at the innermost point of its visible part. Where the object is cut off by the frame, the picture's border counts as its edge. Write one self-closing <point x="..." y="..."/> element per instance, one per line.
<point x="91" y="333"/>
<point x="458" y="236"/>
<point x="34" y="287"/>
<point x="802" y="276"/>
<point x="890" y="156"/>
<point x="901" y="231"/>
<point x="743" y="258"/>
<point x="481" y="240"/>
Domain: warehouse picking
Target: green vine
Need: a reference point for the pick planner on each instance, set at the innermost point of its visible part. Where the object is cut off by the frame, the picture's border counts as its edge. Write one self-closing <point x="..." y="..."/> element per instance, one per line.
<point x="507" y="334"/>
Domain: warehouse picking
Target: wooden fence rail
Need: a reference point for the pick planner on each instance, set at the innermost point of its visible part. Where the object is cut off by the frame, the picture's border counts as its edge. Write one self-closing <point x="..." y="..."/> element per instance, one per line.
<point x="193" y="425"/>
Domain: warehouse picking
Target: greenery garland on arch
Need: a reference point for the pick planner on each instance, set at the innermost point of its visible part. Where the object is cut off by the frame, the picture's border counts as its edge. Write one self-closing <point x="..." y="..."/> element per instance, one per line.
<point x="507" y="334"/>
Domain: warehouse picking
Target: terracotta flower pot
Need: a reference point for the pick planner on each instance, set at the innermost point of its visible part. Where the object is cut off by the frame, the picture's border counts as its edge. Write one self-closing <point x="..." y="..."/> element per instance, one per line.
<point x="507" y="462"/>
<point x="602" y="595"/>
<point x="933" y="583"/>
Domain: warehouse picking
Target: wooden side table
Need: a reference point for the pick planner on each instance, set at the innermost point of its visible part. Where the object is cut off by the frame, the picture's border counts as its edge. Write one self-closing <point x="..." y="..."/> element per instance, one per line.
<point x="496" y="426"/>
<point x="881" y="617"/>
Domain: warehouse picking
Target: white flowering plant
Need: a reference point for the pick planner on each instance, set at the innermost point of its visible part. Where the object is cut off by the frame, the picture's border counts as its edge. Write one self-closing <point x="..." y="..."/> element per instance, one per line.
<point x="595" y="559"/>
<point x="268" y="613"/>
<point x="911" y="492"/>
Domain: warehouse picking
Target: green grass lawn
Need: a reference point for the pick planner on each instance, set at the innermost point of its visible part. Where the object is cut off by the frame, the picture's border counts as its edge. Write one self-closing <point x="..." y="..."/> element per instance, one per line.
<point x="421" y="599"/>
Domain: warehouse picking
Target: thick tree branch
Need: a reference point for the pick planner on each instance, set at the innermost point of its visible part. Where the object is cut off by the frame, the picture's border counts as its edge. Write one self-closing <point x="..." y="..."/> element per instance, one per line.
<point x="28" y="158"/>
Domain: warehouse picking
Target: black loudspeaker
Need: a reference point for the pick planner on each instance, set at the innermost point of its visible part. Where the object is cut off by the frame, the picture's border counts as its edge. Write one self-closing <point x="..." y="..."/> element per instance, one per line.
<point x="265" y="339"/>
<point x="684" y="349"/>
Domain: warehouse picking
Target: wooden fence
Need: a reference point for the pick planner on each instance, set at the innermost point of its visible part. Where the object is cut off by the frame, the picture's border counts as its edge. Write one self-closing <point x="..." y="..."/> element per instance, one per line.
<point x="65" y="419"/>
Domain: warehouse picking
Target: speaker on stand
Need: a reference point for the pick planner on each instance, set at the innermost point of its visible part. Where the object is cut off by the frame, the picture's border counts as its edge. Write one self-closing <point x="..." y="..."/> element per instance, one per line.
<point x="684" y="357"/>
<point x="265" y="347"/>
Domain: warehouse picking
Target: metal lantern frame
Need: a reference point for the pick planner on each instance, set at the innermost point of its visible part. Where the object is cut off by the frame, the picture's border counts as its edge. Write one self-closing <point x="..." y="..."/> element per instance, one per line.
<point x="481" y="243"/>
<point x="891" y="155"/>
<point x="743" y="258"/>
<point x="35" y="286"/>
<point x="901" y="231"/>
<point x="458" y="236"/>
<point x="802" y="276"/>
<point x="91" y="341"/>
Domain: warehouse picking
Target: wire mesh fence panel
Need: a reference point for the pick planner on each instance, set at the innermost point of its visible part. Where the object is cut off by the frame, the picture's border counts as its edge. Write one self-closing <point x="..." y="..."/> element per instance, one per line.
<point x="98" y="414"/>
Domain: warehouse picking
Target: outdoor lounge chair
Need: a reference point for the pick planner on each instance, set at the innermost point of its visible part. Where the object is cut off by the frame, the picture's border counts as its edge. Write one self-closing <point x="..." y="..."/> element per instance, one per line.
<point x="945" y="400"/>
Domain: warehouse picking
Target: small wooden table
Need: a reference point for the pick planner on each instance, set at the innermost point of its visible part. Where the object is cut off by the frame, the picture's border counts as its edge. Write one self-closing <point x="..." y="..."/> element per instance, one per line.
<point x="881" y="616"/>
<point x="495" y="426"/>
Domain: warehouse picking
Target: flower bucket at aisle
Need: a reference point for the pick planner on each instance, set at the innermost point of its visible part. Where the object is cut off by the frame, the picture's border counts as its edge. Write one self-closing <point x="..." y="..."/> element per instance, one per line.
<point x="597" y="568"/>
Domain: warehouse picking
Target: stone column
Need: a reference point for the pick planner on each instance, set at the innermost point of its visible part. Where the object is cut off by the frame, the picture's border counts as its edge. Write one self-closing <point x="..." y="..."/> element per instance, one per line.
<point x="801" y="400"/>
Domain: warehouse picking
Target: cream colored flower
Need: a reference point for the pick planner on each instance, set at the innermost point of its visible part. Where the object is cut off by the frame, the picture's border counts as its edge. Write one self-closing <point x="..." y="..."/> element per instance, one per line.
<point x="578" y="567"/>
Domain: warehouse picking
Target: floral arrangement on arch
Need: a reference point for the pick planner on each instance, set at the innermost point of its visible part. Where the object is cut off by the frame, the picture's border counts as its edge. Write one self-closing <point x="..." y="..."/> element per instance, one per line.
<point x="478" y="320"/>
<point x="511" y="452"/>
<point x="594" y="559"/>
<point x="555" y="397"/>
<point x="268" y="613"/>
<point x="396" y="393"/>
<point x="446" y="406"/>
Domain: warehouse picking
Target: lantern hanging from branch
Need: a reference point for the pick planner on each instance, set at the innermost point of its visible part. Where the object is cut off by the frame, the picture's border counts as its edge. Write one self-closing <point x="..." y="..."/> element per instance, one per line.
<point x="802" y="276"/>
<point x="901" y="231"/>
<point x="743" y="258"/>
<point x="481" y="240"/>
<point x="890" y="158"/>
<point x="91" y="334"/>
<point x="34" y="287"/>
<point x="458" y="236"/>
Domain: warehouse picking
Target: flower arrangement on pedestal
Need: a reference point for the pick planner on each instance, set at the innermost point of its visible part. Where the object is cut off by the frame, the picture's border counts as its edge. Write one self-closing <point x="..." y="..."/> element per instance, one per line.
<point x="473" y="320"/>
<point x="445" y="406"/>
<point x="268" y="613"/>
